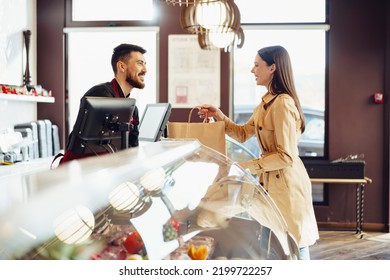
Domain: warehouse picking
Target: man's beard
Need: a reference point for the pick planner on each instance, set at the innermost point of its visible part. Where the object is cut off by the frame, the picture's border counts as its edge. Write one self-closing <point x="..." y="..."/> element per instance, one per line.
<point x="134" y="83"/>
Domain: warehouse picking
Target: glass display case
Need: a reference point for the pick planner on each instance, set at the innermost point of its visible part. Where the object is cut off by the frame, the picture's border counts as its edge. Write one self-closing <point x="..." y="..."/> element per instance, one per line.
<point x="172" y="199"/>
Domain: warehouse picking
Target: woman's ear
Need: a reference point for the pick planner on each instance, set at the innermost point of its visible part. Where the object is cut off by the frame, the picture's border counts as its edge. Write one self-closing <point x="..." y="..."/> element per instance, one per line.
<point x="272" y="68"/>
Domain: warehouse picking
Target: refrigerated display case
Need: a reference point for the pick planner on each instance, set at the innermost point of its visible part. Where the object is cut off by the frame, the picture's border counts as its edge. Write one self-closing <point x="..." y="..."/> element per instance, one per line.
<point x="172" y="199"/>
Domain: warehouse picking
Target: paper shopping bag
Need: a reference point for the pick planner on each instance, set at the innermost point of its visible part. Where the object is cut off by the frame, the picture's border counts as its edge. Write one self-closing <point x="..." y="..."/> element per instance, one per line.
<point x="211" y="134"/>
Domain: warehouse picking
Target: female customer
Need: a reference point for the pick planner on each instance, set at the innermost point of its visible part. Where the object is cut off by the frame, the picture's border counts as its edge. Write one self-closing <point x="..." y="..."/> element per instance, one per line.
<point x="278" y="123"/>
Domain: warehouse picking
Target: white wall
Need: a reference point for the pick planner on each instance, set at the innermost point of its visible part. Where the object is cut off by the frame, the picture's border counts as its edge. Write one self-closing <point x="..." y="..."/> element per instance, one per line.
<point x="15" y="17"/>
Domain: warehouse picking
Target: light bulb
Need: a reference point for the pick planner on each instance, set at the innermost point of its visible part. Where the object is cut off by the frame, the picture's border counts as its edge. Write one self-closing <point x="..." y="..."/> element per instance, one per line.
<point x="210" y="15"/>
<point x="221" y="39"/>
<point x="153" y="179"/>
<point x="125" y="196"/>
<point x="74" y="225"/>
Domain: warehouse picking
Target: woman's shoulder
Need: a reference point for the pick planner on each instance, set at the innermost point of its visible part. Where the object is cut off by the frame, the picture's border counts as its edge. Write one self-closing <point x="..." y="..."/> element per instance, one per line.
<point x="285" y="103"/>
<point x="284" y="99"/>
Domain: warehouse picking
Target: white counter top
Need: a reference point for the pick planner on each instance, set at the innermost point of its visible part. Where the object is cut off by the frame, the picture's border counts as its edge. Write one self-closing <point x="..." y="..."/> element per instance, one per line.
<point x="25" y="167"/>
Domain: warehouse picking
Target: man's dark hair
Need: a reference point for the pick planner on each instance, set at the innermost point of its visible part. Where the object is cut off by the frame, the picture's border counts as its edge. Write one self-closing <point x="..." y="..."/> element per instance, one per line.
<point x="123" y="52"/>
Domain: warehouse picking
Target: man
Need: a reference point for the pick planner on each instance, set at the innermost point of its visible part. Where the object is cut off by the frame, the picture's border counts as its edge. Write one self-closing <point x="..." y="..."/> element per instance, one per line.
<point x="129" y="66"/>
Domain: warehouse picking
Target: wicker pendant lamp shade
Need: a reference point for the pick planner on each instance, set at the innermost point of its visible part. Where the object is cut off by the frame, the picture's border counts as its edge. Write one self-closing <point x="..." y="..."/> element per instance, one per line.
<point x="216" y="22"/>
<point x="212" y="15"/>
<point x="185" y="2"/>
<point x="228" y="34"/>
<point x="188" y="20"/>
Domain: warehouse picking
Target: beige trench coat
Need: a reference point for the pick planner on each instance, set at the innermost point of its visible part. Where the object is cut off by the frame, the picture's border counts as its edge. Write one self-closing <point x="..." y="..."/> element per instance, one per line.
<point x="276" y="123"/>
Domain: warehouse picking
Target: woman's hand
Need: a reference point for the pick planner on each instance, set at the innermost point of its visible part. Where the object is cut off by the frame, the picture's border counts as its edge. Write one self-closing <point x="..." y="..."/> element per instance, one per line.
<point x="207" y="111"/>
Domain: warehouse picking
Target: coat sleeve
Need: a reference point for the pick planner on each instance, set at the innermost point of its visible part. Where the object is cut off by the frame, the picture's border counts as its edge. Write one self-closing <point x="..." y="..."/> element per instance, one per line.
<point x="285" y="120"/>
<point x="241" y="133"/>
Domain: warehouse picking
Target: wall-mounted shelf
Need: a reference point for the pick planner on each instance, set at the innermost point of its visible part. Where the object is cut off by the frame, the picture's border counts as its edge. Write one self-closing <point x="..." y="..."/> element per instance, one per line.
<point x="26" y="98"/>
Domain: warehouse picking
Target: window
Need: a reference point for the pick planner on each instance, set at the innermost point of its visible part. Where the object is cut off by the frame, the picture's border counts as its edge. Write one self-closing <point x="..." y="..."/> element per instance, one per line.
<point x="282" y="11"/>
<point x="89" y="66"/>
<point x="306" y="44"/>
<point x="92" y="38"/>
<point x="113" y="10"/>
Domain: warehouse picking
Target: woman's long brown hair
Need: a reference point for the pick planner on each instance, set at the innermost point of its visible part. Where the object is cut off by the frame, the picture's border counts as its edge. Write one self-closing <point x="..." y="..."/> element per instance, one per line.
<point x="283" y="80"/>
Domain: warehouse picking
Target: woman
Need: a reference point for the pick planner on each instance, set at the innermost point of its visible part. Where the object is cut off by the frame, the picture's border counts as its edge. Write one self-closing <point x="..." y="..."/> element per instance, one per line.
<point x="278" y="123"/>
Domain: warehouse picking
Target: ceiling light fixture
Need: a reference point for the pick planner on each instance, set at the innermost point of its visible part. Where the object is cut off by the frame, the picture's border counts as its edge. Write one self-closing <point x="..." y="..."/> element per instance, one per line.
<point x="217" y="23"/>
<point x="185" y="2"/>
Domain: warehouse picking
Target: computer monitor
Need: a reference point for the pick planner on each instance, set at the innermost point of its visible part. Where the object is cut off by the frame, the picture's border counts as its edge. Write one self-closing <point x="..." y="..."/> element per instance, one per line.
<point x="102" y="125"/>
<point x="153" y="122"/>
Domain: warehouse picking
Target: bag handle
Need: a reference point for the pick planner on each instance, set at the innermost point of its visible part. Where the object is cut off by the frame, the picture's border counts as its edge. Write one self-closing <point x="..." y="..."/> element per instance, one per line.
<point x="205" y="120"/>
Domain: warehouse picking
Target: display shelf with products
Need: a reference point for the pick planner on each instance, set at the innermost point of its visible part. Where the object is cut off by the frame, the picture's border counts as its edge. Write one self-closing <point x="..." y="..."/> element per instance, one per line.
<point x="25" y="92"/>
<point x="171" y="199"/>
<point x="26" y="98"/>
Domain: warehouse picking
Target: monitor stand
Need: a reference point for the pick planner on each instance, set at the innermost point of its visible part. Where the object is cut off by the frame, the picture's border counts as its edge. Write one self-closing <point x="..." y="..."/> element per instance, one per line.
<point x="124" y="139"/>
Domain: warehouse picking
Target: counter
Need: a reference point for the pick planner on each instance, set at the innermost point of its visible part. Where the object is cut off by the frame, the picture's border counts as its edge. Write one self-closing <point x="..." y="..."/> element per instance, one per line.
<point x="183" y="199"/>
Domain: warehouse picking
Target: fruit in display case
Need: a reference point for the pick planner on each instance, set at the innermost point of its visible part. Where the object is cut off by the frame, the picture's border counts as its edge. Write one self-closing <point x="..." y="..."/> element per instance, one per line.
<point x="133" y="243"/>
<point x="174" y="223"/>
<point x="171" y="229"/>
<point x="110" y="252"/>
<point x="197" y="253"/>
<point x="123" y="243"/>
<point x="135" y="257"/>
<point x="197" y="248"/>
<point x="115" y="242"/>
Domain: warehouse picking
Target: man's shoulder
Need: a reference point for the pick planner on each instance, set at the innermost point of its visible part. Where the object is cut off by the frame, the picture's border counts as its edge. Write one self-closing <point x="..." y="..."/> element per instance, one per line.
<point x="103" y="89"/>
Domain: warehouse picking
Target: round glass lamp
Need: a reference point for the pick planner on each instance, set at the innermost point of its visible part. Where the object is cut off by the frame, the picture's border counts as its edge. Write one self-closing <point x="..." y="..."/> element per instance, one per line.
<point x="125" y="196"/>
<point x="74" y="225"/>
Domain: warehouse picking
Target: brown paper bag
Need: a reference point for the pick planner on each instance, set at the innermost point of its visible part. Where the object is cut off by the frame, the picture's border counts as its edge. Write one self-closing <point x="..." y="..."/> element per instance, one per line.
<point x="211" y="134"/>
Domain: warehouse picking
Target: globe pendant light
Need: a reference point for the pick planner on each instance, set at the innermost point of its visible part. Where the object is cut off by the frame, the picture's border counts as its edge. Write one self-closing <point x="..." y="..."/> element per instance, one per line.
<point x="211" y="15"/>
<point x="227" y="35"/>
<point x="217" y="22"/>
<point x="74" y="225"/>
<point x="125" y="196"/>
<point x="185" y="2"/>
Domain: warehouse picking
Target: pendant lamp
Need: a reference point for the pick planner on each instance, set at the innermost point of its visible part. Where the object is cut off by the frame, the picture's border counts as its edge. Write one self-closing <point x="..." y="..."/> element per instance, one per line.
<point x="216" y="22"/>
<point x="185" y="2"/>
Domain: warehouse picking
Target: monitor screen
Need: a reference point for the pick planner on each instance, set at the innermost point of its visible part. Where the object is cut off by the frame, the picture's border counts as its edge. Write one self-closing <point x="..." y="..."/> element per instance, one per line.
<point x="100" y="123"/>
<point x="154" y="121"/>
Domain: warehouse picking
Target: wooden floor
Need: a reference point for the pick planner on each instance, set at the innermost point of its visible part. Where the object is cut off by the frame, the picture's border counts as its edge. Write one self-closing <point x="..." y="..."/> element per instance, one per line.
<point x="346" y="245"/>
